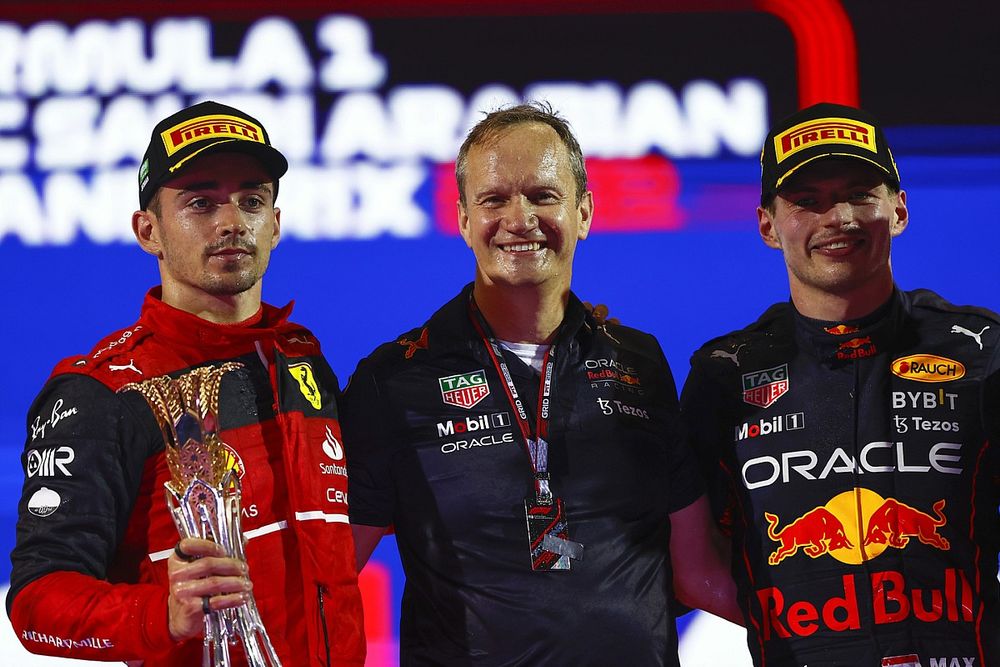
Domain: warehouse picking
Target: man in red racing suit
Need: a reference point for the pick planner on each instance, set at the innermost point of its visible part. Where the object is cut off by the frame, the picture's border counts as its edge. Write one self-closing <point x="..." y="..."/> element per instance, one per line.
<point x="98" y="572"/>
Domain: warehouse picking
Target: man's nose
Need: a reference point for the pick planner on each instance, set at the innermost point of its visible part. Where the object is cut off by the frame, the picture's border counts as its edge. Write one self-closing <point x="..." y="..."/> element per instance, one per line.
<point x="231" y="219"/>
<point x="521" y="216"/>
<point x="840" y="213"/>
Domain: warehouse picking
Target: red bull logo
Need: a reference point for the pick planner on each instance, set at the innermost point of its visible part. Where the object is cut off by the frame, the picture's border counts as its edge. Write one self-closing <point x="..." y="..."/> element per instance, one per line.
<point x="894" y="523"/>
<point x="927" y="368"/>
<point x="818" y="531"/>
<point x="841" y="330"/>
<point x="836" y="529"/>
<point x="210" y="127"/>
<point x="824" y="131"/>
<point x="894" y="600"/>
<point x="856" y="348"/>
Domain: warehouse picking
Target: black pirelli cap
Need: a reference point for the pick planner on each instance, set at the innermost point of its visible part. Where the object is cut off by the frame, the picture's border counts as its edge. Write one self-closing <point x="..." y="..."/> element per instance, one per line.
<point x="203" y="129"/>
<point x="820" y="131"/>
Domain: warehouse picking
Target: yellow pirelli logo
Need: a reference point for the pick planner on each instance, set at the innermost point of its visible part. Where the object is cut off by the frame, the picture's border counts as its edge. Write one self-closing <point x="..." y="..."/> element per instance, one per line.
<point x="824" y="131"/>
<point x="210" y="127"/>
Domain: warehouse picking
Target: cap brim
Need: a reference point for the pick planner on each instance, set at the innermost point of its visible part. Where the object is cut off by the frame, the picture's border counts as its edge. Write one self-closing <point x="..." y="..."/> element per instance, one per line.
<point x="784" y="177"/>
<point x="272" y="159"/>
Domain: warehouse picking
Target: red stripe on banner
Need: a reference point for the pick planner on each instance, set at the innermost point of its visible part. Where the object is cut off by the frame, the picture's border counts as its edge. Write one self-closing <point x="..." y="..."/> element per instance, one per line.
<point x="635" y="195"/>
<point x="445" y="198"/>
<point x="630" y="195"/>
<point x="824" y="47"/>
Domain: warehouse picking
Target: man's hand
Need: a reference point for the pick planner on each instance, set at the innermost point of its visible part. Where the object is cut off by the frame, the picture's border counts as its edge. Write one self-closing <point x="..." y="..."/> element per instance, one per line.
<point x="600" y="314"/>
<point x="201" y="577"/>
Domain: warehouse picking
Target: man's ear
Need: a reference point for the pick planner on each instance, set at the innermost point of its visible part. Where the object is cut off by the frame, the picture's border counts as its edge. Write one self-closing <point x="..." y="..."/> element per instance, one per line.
<point x="463" y="223"/>
<point x="586" y="210"/>
<point x="277" y="229"/>
<point x="765" y="225"/>
<point x="146" y="228"/>
<point x="902" y="215"/>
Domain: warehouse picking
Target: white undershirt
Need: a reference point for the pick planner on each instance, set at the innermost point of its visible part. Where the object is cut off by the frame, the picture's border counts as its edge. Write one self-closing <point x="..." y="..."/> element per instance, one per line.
<point x="530" y="353"/>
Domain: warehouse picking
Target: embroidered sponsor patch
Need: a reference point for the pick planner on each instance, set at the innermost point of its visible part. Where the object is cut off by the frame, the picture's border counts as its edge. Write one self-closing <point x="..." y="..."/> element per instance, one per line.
<point x="927" y="368"/>
<point x="762" y="388"/>
<point x="303" y="374"/>
<point x="465" y="389"/>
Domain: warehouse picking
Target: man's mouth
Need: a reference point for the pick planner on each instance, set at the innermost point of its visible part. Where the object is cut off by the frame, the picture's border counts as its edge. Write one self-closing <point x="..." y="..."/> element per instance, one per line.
<point x="521" y="246"/>
<point x="230" y="252"/>
<point x="836" y="246"/>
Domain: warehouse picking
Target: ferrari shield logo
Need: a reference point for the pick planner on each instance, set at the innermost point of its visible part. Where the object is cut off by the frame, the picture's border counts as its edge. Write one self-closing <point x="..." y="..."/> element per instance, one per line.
<point x="303" y="374"/>
<point x="464" y="390"/>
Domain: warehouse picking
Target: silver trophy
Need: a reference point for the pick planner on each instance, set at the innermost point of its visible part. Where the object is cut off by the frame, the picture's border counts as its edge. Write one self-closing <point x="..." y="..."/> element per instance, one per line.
<point x="203" y="495"/>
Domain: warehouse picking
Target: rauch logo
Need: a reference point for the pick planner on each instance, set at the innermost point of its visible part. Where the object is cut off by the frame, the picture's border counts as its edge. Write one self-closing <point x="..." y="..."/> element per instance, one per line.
<point x="927" y="368"/>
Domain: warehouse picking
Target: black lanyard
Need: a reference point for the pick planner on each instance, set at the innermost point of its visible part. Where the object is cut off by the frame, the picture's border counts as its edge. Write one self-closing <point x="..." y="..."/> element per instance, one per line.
<point x="535" y="442"/>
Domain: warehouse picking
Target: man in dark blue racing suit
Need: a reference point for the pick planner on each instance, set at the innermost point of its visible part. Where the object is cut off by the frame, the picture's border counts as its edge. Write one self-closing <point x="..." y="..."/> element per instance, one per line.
<point x="850" y="435"/>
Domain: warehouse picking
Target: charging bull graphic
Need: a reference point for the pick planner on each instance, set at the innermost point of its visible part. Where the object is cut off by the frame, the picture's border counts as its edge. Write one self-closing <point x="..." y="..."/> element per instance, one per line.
<point x="883" y="523"/>
<point x="894" y="523"/>
<point x="817" y="531"/>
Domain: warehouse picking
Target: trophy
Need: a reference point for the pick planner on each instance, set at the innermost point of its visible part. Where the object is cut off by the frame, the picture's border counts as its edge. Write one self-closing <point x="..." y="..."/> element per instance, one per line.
<point x="203" y="496"/>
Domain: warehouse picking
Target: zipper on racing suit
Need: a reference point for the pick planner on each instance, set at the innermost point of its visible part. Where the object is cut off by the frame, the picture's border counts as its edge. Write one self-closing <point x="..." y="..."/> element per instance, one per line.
<point x="322" y="624"/>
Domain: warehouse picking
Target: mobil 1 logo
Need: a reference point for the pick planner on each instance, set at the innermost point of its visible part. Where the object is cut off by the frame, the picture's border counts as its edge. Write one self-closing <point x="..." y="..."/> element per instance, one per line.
<point x="767" y="426"/>
<point x="470" y="424"/>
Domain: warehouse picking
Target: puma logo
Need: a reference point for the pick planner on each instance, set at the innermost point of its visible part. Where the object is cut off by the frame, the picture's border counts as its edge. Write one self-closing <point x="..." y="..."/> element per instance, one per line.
<point x="977" y="336"/>
<point x="722" y="354"/>
<point x="413" y="345"/>
<point x="129" y="366"/>
<point x="303" y="341"/>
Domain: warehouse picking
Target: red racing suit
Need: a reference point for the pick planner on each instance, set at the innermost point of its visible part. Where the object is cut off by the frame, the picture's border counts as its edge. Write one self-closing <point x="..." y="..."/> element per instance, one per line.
<point x="857" y="465"/>
<point x="89" y="575"/>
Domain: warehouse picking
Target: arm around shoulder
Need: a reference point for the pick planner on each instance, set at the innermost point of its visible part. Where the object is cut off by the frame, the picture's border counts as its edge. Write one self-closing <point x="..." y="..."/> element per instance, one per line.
<point x="700" y="559"/>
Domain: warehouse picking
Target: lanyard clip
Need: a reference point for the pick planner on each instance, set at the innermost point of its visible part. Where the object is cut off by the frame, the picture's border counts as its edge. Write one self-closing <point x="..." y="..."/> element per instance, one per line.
<point x="543" y="494"/>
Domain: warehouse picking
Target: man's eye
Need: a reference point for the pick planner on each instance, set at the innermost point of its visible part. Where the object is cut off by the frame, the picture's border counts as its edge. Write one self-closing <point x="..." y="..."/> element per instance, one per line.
<point x="805" y="202"/>
<point x="200" y="203"/>
<point x="254" y="202"/>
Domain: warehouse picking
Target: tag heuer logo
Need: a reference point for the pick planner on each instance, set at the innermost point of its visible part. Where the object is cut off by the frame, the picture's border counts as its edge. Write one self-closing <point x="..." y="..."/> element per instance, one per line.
<point x="464" y="390"/>
<point x="763" y="388"/>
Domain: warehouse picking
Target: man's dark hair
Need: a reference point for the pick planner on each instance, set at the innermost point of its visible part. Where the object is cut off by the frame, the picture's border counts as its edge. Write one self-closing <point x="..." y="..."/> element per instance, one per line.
<point x="154" y="205"/>
<point x="497" y="122"/>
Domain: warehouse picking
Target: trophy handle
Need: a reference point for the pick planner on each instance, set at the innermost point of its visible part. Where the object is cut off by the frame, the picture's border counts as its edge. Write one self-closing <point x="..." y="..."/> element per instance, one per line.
<point x="215" y="514"/>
